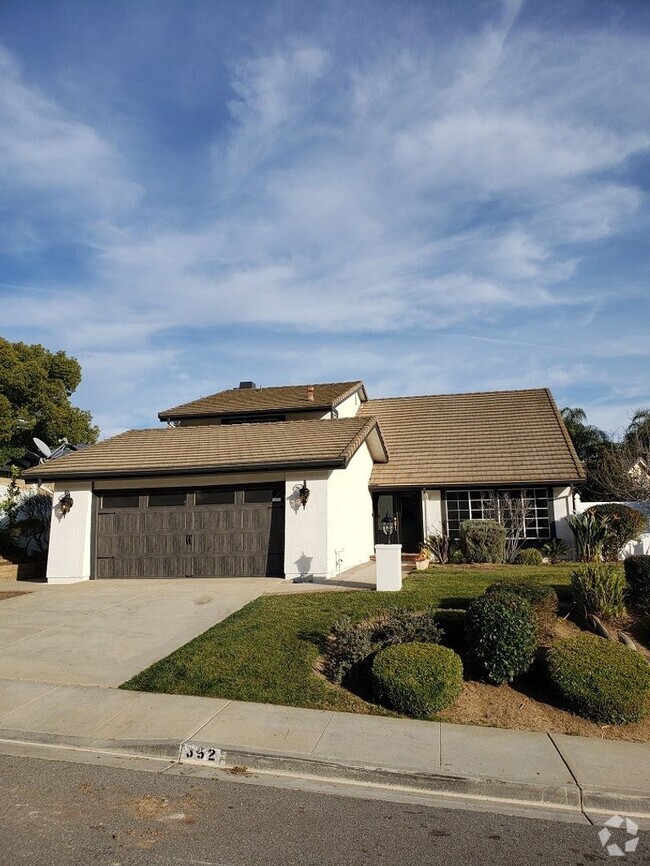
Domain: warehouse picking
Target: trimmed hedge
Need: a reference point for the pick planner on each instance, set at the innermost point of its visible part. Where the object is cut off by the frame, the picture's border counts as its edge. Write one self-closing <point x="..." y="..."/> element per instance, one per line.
<point x="543" y="600"/>
<point x="599" y="590"/>
<point x="501" y="634"/>
<point x="599" y="679"/>
<point x="623" y="524"/>
<point x="637" y="575"/>
<point x="483" y="541"/>
<point x="417" y="679"/>
<point x="529" y="556"/>
<point x="351" y="643"/>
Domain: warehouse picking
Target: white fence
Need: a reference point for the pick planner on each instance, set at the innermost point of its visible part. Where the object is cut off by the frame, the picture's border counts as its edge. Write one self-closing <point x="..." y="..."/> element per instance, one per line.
<point x="633" y="548"/>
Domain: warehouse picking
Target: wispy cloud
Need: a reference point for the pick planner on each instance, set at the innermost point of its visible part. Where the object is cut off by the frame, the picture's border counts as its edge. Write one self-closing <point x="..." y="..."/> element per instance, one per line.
<point x="391" y="194"/>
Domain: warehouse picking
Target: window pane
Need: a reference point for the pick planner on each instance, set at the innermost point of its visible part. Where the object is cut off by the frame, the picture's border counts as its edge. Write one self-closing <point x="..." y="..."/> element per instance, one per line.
<point x="215" y="497"/>
<point x="120" y="500"/>
<point x="157" y="500"/>
<point x="252" y="496"/>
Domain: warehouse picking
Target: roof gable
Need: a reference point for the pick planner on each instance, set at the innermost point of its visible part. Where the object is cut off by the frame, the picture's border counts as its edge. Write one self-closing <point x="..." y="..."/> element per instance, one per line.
<point x="286" y="398"/>
<point x="498" y="437"/>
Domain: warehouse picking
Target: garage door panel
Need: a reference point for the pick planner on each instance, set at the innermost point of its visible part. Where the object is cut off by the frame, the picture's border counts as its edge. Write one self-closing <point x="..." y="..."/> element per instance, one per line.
<point x="220" y="519"/>
<point x="163" y="520"/>
<point x="228" y="533"/>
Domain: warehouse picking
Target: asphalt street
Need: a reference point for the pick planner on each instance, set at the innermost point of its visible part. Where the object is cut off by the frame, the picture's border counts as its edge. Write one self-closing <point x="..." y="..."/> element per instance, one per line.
<point x="62" y="813"/>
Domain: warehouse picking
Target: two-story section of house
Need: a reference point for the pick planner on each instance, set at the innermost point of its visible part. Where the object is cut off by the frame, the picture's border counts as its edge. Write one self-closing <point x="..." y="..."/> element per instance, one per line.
<point x="295" y="481"/>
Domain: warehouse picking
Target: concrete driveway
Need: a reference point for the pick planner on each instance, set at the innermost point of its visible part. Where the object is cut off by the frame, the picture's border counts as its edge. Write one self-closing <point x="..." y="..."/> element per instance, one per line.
<point x="104" y="632"/>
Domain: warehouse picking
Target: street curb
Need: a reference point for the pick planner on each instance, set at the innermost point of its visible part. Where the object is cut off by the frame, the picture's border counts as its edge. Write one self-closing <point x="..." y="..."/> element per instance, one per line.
<point x="566" y="797"/>
<point x="630" y="803"/>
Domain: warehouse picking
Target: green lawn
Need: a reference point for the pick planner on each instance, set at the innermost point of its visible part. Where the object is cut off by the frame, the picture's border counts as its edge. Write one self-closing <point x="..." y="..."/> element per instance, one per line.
<point x="266" y="651"/>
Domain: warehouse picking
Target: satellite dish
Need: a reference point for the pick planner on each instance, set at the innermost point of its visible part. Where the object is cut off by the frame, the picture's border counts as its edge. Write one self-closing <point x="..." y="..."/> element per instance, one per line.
<point x="45" y="450"/>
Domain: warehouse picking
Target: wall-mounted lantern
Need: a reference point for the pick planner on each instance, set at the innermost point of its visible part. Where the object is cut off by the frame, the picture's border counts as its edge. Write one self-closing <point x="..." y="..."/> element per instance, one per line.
<point x="303" y="494"/>
<point x="65" y="502"/>
<point x="388" y="524"/>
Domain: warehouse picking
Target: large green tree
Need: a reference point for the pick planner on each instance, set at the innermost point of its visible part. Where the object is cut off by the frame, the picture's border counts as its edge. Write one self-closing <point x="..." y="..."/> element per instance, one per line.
<point x="35" y="390"/>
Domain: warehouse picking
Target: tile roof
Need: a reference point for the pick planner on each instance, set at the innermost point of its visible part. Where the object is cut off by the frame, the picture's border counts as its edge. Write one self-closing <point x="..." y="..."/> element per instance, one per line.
<point x="498" y="437"/>
<point x="287" y="398"/>
<point x="216" y="448"/>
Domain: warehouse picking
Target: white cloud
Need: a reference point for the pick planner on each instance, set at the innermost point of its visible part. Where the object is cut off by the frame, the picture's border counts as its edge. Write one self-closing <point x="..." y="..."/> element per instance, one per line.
<point x="396" y="191"/>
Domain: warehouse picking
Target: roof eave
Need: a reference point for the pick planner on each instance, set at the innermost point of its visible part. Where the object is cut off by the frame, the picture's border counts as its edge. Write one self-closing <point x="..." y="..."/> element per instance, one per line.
<point x="86" y="475"/>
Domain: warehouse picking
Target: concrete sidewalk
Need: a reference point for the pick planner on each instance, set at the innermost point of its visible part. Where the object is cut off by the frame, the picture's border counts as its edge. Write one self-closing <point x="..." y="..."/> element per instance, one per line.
<point x="574" y="774"/>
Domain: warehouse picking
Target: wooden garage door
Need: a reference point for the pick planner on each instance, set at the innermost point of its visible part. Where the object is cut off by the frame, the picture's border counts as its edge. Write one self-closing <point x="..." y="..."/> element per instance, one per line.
<point x="212" y="532"/>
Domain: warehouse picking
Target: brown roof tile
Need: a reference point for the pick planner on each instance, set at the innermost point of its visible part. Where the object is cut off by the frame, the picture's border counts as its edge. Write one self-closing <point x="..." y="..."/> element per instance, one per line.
<point x="498" y="437"/>
<point x="287" y="398"/>
<point x="215" y="448"/>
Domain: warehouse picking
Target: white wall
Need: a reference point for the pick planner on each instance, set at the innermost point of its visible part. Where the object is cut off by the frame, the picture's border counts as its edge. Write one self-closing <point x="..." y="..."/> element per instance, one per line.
<point x="350" y="406"/>
<point x="563" y="508"/>
<point x="305" y="540"/>
<point x="68" y="557"/>
<point x="350" y="531"/>
<point x="432" y="512"/>
<point x="632" y="548"/>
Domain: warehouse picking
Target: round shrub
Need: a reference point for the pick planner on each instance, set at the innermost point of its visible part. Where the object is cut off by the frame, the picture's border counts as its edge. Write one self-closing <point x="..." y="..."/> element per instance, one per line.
<point x="483" y="541"/>
<point x="623" y="524"/>
<point x="599" y="679"/>
<point x="599" y="590"/>
<point x="529" y="556"/>
<point x="501" y="634"/>
<point x="637" y="575"/>
<point x="543" y="600"/>
<point x="417" y="679"/>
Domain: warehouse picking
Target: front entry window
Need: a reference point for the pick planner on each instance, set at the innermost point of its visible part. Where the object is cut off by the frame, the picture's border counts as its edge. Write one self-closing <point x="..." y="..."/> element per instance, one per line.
<point x="526" y="505"/>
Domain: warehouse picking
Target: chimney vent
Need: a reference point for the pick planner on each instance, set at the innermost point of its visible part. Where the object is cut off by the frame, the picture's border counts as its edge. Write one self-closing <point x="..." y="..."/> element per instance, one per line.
<point x="310" y="393"/>
<point x="245" y="385"/>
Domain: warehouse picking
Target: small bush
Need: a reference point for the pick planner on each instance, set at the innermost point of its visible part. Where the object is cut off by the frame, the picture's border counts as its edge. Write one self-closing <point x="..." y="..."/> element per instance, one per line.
<point x="456" y="557"/>
<point x="417" y="679"/>
<point x="542" y="599"/>
<point x="590" y="533"/>
<point x="501" y="634"/>
<point x="352" y="643"/>
<point x="439" y="547"/>
<point x="404" y="626"/>
<point x="349" y="645"/>
<point x="555" y="550"/>
<point x="600" y="679"/>
<point x="637" y="576"/>
<point x="623" y="524"/>
<point x="483" y="541"/>
<point x="599" y="590"/>
<point x="529" y="556"/>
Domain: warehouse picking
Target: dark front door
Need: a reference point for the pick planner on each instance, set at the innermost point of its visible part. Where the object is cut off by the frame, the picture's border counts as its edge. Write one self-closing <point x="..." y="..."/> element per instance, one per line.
<point x="406" y="508"/>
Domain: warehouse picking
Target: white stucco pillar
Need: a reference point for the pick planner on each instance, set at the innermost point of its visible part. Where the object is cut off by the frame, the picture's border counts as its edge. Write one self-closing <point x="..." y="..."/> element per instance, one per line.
<point x="305" y="532"/>
<point x="563" y="509"/>
<point x="389" y="567"/>
<point x="68" y="555"/>
<point x="432" y="512"/>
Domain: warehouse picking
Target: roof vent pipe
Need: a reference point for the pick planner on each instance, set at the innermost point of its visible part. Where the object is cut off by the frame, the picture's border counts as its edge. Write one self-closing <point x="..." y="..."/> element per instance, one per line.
<point x="245" y="385"/>
<point x="310" y="393"/>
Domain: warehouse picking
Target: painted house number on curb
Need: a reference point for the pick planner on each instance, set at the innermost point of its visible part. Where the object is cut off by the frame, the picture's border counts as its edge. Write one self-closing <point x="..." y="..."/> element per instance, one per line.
<point x="194" y="752"/>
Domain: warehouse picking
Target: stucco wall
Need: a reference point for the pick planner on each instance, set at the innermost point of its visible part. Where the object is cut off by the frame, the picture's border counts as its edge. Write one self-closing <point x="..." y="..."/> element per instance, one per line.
<point x="350" y="535"/>
<point x="305" y="545"/>
<point x="68" y="557"/>
<point x="350" y="406"/>
<point x="563" y="508"/>
<point x="432" y="512"/>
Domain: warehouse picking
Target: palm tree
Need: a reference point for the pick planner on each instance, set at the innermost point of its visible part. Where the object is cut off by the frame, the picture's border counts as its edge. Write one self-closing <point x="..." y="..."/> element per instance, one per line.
<point x="587" y="439"/>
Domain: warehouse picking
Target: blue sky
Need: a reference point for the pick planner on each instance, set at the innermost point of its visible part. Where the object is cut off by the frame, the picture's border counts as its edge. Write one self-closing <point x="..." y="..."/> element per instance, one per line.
<point x="431" y="196"/>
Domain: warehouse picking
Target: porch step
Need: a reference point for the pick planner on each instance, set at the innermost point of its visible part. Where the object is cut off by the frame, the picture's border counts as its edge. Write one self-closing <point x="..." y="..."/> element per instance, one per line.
<point x="406" y="557"/>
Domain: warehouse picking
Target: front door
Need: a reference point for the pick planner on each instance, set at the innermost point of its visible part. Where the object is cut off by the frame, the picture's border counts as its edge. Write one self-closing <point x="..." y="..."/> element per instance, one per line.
<point x="406" y="509"/>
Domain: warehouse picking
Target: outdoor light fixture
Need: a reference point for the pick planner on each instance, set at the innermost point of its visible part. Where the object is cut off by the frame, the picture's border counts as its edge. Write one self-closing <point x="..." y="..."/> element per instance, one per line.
<point x="388" y="525"/>
<point x="65" y="502"/>
<point x="303" y="494"/>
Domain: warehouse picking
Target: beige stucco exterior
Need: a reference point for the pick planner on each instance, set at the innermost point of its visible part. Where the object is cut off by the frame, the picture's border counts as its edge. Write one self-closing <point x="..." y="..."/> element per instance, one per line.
<point x="69" y="552"/>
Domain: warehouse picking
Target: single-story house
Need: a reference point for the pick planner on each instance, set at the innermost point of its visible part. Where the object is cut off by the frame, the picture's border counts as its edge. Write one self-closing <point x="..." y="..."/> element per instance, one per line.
<point x="296" y="480"/>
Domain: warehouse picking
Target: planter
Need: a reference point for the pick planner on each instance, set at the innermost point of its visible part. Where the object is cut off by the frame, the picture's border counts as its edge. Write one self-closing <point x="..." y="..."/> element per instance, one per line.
<point x="421" y="564"/>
